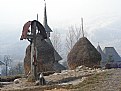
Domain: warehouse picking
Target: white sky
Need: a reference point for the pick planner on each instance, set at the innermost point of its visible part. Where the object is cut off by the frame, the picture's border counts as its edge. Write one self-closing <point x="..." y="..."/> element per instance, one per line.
<point x="60" y="12"/>
<point x="101" y="17"/>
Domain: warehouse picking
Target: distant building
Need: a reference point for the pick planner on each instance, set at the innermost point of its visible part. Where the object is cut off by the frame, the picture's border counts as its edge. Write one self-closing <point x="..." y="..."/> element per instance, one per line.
<point x="1" y="63"/>
<point x="109" y="56"/>
<point x="103" y="56"/>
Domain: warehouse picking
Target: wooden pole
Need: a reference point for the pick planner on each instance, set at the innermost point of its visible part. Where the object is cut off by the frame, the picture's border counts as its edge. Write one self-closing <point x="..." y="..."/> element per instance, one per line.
<point x="33" y="47"/>
<point x="32" y="59"/>
<point x="82" y="27"/>
<point x="37" y="17"/>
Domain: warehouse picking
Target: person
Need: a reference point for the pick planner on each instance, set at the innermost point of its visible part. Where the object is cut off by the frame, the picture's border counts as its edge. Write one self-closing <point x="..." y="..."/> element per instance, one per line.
<point x="42" y="79"/>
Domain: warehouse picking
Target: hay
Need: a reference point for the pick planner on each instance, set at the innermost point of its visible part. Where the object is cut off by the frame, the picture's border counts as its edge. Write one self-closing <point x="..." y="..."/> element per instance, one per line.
<point x="83" y="53"/>
<point x="45" y="57"/>
<point x="27" y="61"/>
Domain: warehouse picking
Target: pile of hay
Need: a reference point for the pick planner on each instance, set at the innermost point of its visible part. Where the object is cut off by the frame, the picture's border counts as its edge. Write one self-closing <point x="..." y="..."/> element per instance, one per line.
<point x="45" y="57"/>
<point x="83" y="53"/>
<point x="27" y="61"/>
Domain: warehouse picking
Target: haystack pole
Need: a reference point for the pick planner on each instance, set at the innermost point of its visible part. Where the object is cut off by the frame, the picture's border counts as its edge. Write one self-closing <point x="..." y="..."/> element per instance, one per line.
<point x="82" y="27"/>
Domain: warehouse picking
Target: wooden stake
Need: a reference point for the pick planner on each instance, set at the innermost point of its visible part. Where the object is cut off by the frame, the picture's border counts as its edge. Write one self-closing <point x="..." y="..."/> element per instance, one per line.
<point x="37" y="17"/>
<point x="82" y="27"/>
<point x="33" y="46"/>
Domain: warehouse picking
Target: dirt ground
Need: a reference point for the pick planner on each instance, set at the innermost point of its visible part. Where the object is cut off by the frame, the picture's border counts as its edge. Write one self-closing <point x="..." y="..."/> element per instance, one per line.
<point x="112" y="82"/>
<point x="56" y="81"/>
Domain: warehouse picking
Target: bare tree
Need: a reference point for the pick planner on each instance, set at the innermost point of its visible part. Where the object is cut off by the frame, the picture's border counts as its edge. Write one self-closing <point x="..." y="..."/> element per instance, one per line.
<point x="77" y="33"/>
<point x="20" y="68"/>
<point x="72" y="37"/>
<point x="7" y="61"/>
<point x="56" y="40"/>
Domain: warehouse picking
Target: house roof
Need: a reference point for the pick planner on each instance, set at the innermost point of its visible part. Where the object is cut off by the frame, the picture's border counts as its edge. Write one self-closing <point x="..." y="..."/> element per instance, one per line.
<point x="1" y="63"/>
<point x="110" y="51"/>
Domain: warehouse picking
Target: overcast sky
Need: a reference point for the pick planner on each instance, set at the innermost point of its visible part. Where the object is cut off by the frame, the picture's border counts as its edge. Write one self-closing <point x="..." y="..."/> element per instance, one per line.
<point x="102" y="19"/>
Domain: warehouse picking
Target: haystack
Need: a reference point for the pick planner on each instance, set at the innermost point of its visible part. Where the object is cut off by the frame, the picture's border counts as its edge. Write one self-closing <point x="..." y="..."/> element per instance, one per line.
<point x="27" y="61"/>
<point x="45" y="57"/>
<point x="83" y="53"/>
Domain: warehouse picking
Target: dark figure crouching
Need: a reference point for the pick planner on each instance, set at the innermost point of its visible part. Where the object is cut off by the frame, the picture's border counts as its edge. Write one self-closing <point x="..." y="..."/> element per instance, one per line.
<point x="42" y="79"/>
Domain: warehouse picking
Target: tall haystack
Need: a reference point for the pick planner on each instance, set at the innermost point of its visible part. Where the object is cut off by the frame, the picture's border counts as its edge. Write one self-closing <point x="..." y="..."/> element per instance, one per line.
<point x="83" y="53"/>
<point x="27" y="61"/>
<point x="45" y="57"/>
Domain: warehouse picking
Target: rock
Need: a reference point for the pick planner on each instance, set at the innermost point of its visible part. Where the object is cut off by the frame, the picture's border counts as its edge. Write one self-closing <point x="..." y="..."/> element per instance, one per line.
<point x="83" y="78"/>
<point x="87" y="68"/>
<point x="16" y="81"/>
<point x="93" y="70"/>
<point x="64" y="71"/>
<point x="90" y="68"/>
<point x="82" y="67"/>
<point x="37" y="83"/>
<point x="98" y="70"/>
<point x="31" y="78"/>
<point x="56" y="73"/>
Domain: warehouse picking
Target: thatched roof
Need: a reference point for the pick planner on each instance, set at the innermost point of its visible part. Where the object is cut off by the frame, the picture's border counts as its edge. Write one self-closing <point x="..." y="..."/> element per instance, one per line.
<point x="83" y="53"/>
<point x="1" y="63"/>
<point x="110" y="51"/>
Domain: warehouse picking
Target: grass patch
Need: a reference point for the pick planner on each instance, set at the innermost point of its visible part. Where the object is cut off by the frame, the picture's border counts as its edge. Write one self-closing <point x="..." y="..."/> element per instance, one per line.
<point x="90" y="83"/>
